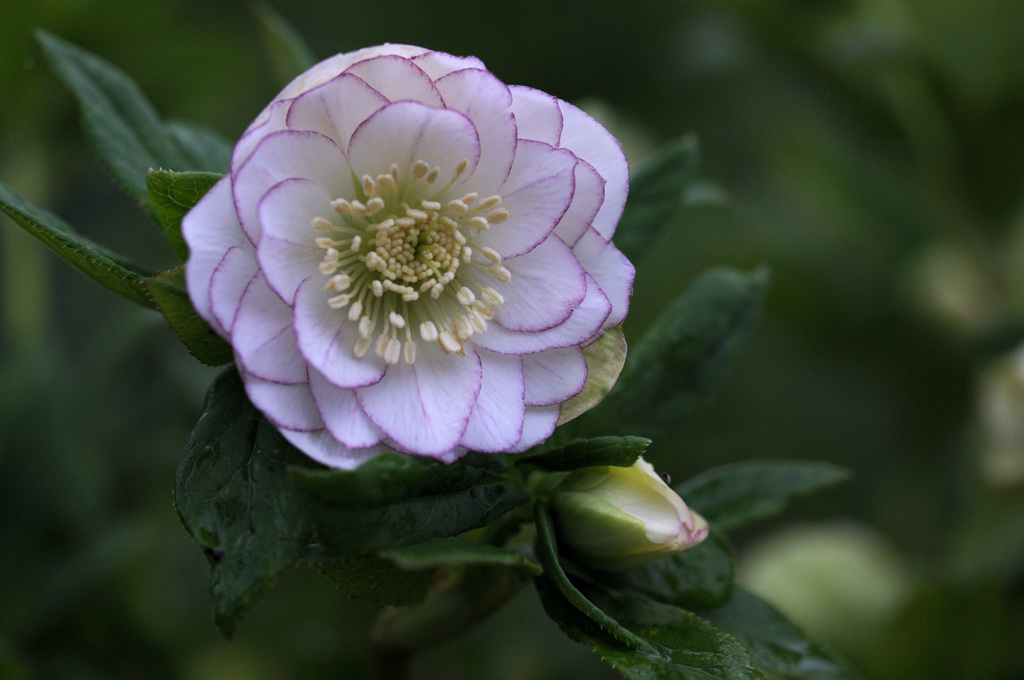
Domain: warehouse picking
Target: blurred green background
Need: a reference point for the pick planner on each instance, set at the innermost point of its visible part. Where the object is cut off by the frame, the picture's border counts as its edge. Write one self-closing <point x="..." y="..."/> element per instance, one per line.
<point x="869" y="151"/>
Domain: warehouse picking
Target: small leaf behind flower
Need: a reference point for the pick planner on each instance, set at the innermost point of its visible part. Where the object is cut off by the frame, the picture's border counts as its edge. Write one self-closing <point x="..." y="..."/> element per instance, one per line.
<point x="605" y="358"/>
<point x="732" y="496"/>
<point x="617" y="451"/>
<point x="172" y="195"/>
<point x="168" y="292"/>
<point x="233" y="497"/>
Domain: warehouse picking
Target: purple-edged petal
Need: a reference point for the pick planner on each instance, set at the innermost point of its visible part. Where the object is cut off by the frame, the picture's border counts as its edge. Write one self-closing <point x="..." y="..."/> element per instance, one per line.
<point x="288" y="155"/>
<point x="581" y="326"/>
<point x="398" y="79"/>
<point x="538" y="424"/>
<point x="439" y="64"/>
<point x="230" y="278"/>
<point x="554" y="375"/>
<point x="326" y="339"/>
<point x="210" y="229"/>
<point x="586" y="202"/>
<point x="323" y="448"/>
<point x="536" y="195"/>
<point x="289" y="407"/>
<point x="485" y="100"/>
<point x="612" y="271"/>
<point x="263" y="338"/>
<point x="335" y="108"/>
<point x="341" y="414"/>
<point x="287" y="252"/>
<point x="586" y="138"/>
<point x="406" y="132"/>
<point x="537" y="115"/>
<point x="425" y="407"/>
<point x="271" y="119"/>
<point x="547" y="284"/>
<point x="497" y="420"/>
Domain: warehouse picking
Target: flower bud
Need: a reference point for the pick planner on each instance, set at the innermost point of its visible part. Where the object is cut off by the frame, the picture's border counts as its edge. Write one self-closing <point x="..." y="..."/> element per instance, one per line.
<point x="614" y="518"/>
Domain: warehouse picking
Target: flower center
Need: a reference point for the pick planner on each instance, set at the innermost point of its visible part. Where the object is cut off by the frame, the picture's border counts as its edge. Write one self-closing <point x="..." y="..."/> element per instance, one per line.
<point x="402" y="257"/>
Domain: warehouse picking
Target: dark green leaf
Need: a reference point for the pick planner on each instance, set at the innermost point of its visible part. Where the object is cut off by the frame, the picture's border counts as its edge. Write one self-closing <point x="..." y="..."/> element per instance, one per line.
<point x="605" y="358"/>
<point x="682" y="358"/>
<point x="168" y="292"/>
<point x="173" y="194"/>
<point x="655" y="191"/>
<point x="122" y="125"/>
<point x="776" y="646"/>
<point x="379" y="580"/>
<point x="678" y="644"/>
<point x="233" y="497"/>
<point x="205" y="150"/>
<point x="734" y="495"/>
<point x="396" y="500"/>
<point x="698" y="577"/>
<point x="618" y="451"/>
<point x="452" y="552"/>
<point x="108" y="269"/>
<point x="289" y="54"/>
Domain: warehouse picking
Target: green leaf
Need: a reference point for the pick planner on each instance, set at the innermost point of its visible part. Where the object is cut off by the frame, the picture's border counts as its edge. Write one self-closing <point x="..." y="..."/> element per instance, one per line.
<point x="605" y="358"/>
<point x="734" y="495"/>
<point x="776" y="646"/>
<point x="122" y="125"/>
<point x="679" y="645"/>
<point x="618" y="451"/>
<point x="453" y="552"/>
<point x="106" y="268"/>
<point x="655" y="191"/>
<point x="167" y="290"/>
<point x="172" y="195"/>
<point x="680" y="361"/>
<point x="204" y="150"/>
<point x="233" y="497"/>
<point x="698" y="577"/>
<point x="288" y="52"/>
<point x="395" y="500"/>
<point x="379" y="580"/>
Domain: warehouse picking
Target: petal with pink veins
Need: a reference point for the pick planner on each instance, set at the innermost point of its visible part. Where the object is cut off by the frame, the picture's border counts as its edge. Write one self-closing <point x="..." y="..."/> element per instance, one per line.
<point x="554" y="375"/>
<point x="538" y="116"/>
<point x="289" y="407"/>
<point x="497" y="420"/>
<point x="612" y="271"/>
<point x="230" y="279"/>
<point x="547" y="285"/>
<point x="335" y="108"/>
<point x="341" y="414"/>
<point x="323" y="448"/>
<point x="287" y="252"/>
<point x="538" y="424"/>
<point x="398" y="79"/>
<point x="263" y="338"/>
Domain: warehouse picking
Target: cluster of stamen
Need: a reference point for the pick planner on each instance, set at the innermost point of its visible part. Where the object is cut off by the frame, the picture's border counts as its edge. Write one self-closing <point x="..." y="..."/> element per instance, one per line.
<point x="393" y="260"/>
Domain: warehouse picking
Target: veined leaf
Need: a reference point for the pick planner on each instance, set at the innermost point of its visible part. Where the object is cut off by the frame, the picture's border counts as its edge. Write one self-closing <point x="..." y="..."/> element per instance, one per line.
<point x="618" y="451"/>
<point x="172" y="195"/>
<point x="205" y="150"/>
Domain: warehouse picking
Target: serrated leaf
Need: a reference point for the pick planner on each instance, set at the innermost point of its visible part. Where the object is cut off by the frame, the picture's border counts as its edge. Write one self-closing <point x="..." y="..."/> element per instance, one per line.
<point x="120" y="122"/>
<point x="112" y="271"/>
<point x="682" y="358"/>
<point x="776" y="646"/>
<point x="655" y="191"/>
<point x="233" y="497"/>
<point x="379" y="580"/>
<point x="204" y="150"/>
<point x="617" y="451"/>
<point x="698" y="577"/>
<point x="396" y="500"/>
<point x="172" y="195"/>
<point x="732" y="496"/>
<point x="605" y="358"/>
<point x="454" y="552"/>
<point x="288" y="52"/>
<point x="167" y="290"/>
<point x="679" y="644"/>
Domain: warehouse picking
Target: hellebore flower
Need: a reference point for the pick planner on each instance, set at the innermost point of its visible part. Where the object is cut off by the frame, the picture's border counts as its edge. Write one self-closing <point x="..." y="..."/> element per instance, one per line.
<point x="614" y="518"/>
<point x="409" y="254"/>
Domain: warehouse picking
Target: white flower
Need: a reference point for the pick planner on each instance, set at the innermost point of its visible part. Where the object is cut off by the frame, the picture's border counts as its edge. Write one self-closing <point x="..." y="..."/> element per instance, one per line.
<point x="409" y="254"/>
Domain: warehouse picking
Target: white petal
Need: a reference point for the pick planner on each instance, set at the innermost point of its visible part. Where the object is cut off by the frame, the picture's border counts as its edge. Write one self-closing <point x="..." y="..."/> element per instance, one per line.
<point x="586" y="138"/>
<point x="586" y="202"/>
<point x="547" y="284"/>
<point x="485" y="100"/>
<point x="398" y="79"/>
<point x="288" y="407"/>
<point x="288" y="155"/>
<point x="210" y="229"/>
<point x="287" y="251"/>
<point x="326" y="339"/>
<point x="341" y="414"/>
<point x="584" y="323"/>
<point x="332" y="66"/>
<point x="438" y="64"/>
<point x="335" y="108"/>
<point x="263" y="338"/>
<point x="554" y="375"/>
<point x="406" y="132"/>
<point x="536" y="195"/>
<point x="497" y="420"/>
<point x="424" y="407"/>
<point x="230" y="278"/>
<point x="538" y="424"/>
<point x="323" y="448"/>
<point x="537" y="115"/>
<point x="271" y="119"/>
<point x="612" y="271"/>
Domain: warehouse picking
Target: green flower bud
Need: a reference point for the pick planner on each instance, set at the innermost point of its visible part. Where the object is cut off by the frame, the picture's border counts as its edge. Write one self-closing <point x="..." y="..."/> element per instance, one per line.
<point x="614" y="518"/>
